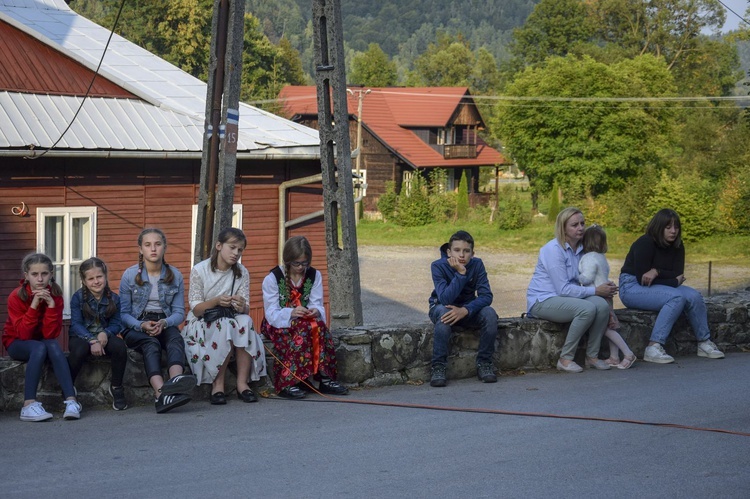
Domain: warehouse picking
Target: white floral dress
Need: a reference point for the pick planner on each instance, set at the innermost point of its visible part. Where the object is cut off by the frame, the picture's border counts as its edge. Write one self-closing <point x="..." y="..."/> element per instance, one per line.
<point x="207" y="344"/>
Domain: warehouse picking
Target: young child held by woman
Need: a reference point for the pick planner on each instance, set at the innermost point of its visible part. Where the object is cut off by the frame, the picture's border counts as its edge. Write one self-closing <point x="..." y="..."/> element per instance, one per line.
<point x="594" y="269"/>
<point x="95" y="326"/>
<point x="35" y="311"/>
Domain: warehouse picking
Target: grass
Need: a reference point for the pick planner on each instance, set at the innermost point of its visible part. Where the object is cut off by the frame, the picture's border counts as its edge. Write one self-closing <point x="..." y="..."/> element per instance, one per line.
<point x="733" y="249"/>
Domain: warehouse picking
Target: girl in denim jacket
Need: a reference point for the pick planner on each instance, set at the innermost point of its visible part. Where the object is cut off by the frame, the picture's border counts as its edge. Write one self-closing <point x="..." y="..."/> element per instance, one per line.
<point x="152" y="298"/>
<point x="95" y="327"/>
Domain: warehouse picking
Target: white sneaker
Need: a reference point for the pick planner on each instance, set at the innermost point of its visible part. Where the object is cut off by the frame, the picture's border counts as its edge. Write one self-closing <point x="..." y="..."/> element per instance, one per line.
<point x="34" y="412"/>
<point x="72" y="410"/>
<point x="708" y="349"/>
<point x="656" y="353"/>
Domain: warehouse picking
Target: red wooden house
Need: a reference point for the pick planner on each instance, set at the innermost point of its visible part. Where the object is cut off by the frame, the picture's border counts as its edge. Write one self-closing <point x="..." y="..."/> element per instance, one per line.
<point x="406" y="131"/>
<point x="131" y="158"/>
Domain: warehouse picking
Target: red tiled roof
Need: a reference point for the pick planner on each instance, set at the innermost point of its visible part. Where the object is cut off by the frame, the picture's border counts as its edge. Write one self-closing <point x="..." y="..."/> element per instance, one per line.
<point x="389" y="113"/>
<point x="27" y="65"/>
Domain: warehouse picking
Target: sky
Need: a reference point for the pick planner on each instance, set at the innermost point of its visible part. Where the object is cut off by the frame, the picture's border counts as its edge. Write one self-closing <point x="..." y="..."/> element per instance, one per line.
<point x="733" y="21"/>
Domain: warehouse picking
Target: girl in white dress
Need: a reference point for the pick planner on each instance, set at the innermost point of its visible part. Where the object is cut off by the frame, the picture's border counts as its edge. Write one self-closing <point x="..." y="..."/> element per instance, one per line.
<point x="594" y="269"/>
<point x="221" y="286"/>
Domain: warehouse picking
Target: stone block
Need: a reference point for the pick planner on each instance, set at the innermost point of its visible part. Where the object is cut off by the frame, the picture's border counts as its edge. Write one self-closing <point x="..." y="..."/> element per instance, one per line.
<point x="396" y="350"/>
<point x="354" y="363"/>
<point x="384" y="379"/>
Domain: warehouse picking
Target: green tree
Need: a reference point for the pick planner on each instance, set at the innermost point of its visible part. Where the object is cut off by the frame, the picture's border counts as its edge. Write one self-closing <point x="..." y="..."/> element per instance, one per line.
<point x="554" y="202"/>
<point x="588" y="146"/>
<point x="692" y="197"/>
<point x="372" y="68"/>
<point x="388" y="202"/>
<point x="414" y="204"/>
<point x="462" y="201"/>
<point x="447" y="63"/>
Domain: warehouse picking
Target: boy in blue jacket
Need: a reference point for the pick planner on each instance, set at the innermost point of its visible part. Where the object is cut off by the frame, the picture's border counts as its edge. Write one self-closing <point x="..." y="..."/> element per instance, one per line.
<point x="462" y="297"/>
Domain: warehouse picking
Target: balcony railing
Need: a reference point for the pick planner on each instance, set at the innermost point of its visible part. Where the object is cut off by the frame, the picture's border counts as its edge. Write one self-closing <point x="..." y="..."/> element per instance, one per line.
<point x="459" y="151"/>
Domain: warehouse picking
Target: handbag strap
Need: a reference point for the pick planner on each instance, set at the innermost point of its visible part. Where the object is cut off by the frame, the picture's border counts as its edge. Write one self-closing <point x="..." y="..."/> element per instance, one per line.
<point x="234" y="276"/>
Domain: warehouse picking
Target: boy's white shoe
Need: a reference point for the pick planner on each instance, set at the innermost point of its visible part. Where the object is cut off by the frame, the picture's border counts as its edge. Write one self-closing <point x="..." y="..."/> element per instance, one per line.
<point x="72" y="410"/>
<point x="34" y="412"/>
<point x="656" y="353"/>
<point x="708" y="349"/>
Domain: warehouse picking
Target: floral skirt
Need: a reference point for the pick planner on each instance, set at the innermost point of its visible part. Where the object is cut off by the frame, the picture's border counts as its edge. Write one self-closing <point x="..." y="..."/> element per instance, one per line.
<point x="207" y="345"/>
<point x="294" y="348"/>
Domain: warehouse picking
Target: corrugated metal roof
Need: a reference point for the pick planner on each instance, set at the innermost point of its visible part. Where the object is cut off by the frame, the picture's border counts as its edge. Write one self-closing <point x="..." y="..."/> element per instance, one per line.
<point x="164" y="88"/>
<point x="389" y="113"/>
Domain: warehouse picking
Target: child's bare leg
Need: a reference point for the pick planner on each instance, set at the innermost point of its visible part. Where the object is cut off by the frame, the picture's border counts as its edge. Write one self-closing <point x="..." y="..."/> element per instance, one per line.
<point x="243" y="368"/>
<point x="218" y="383"/>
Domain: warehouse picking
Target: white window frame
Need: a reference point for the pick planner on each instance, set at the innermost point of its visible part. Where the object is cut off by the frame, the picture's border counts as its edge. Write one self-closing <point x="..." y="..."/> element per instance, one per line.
<point x="236" y="223"/>
<point x="67" y="261"/>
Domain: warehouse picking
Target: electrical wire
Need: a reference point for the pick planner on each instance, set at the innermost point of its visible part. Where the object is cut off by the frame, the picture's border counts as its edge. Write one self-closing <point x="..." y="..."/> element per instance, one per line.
<point x="733" y="12"/>
<point x="88" y="90"/>
<point x="500" y="412"/>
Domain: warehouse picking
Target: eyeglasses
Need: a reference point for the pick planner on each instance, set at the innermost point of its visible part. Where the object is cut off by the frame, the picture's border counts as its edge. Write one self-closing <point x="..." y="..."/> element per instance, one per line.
<point x="299" y="264"/>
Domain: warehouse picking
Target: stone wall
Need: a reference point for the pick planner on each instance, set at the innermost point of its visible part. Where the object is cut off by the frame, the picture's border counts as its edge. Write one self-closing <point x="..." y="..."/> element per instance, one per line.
<point x="378" y="356"/>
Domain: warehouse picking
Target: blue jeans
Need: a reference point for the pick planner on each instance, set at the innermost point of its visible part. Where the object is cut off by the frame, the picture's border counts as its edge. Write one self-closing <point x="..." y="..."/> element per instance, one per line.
<point x="485" y="320"/>
<point x="670" y="303"/>
<point x="34" y="353"/>
<point x="586" y="315"/>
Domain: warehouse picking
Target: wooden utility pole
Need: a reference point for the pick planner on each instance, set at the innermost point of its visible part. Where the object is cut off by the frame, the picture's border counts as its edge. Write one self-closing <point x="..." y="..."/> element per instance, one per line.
<point x="219" y="160"/>
<point x="338" y="191"/>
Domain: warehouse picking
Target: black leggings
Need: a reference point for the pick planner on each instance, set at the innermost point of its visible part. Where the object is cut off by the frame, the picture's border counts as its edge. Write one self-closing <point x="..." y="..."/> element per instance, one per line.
<point x="150" y="347"/>
<point x="115" y="350"/>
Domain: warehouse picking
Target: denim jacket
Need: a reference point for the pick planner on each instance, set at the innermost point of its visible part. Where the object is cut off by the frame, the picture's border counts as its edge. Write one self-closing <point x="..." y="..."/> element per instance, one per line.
<point x="79" y="324"/>
<point x="134" y="298"/>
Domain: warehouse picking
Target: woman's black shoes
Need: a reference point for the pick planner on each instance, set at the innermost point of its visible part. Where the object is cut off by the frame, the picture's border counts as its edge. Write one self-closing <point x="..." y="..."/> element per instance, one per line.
<point x="332" y="387"/>
<point x="291" y="392"/>
<point x="247" y="396"/>
<point x="218" y="398"/>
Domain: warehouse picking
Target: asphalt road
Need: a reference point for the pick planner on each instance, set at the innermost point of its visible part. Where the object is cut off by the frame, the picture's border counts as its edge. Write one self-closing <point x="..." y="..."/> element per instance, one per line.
<point x="314" y="448"/>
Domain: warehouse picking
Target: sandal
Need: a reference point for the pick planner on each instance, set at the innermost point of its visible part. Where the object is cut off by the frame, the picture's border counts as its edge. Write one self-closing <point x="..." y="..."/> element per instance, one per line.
<point x="613" y="361"/>
<point x="627" y="362"/>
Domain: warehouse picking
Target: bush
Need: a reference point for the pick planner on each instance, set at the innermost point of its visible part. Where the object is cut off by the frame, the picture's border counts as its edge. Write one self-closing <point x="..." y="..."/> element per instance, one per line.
<point x="513" y="216"/>
<point x="388" y="202"/>
<point x="414" y="206"/>
<point x="443" y="203"/>
<point x="734" y="203"/>
<point x="692" y="198"/>
<point x="554" y="203"/>
<point x="462" y="201"/>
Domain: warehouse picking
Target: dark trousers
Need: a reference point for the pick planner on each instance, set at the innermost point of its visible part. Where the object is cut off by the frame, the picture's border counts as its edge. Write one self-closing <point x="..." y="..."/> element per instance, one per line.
<point x="485" y="320"/>
<point x="115" y="349"/>
<point x="34" y="353"/>
<point x="151" y="346"/>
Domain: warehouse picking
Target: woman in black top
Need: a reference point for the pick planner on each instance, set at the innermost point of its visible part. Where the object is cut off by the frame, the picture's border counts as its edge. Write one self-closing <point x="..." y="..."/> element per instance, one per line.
<point x="652" y="279"/>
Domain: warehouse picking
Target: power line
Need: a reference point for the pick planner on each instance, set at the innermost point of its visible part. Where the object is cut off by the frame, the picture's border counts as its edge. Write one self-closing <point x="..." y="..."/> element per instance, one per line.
<point x="88" y="90"/>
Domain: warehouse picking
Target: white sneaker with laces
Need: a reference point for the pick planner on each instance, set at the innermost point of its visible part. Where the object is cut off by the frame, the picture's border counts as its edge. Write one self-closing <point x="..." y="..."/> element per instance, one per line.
<point x="72" y="410"/>
<point x="708" y="349"/>
<point x="34" y="412"/>
<point x="656" y="353"/>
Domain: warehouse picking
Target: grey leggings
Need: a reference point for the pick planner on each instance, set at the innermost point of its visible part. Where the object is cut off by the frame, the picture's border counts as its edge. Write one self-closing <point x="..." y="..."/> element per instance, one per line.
<point x="590" y="314"/>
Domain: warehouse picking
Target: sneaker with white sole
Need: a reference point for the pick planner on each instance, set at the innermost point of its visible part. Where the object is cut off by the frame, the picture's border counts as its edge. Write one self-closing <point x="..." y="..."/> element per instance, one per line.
<point x="34" y="412"/>
<point x="656" y="353"/>
<point x="708" y="349"/>
<point x="72" y="410"/>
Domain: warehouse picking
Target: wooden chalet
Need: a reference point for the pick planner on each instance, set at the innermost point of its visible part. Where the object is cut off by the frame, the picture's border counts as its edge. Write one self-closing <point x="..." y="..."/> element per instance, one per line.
<point x="406" y="131"/>
<point x="131" y="158"/>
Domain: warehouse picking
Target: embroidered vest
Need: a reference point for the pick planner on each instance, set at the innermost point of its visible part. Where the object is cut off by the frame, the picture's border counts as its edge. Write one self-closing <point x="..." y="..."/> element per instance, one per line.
<point x="284" y="292"/>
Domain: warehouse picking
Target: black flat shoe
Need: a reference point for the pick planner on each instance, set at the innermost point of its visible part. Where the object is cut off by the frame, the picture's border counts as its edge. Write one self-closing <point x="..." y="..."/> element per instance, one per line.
<point x="218" y="398"/>
<point x="292" y="393"/>
<point x="331" y="387"/>
<point x="247" y="396"/>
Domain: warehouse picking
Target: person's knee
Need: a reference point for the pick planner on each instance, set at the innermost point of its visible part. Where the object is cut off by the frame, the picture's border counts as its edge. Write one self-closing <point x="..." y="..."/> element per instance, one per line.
<point x="488" y="314"/>
<point x="117" y="348"/>
<point x="37" y="352"/>
<point x="586" y="310"/>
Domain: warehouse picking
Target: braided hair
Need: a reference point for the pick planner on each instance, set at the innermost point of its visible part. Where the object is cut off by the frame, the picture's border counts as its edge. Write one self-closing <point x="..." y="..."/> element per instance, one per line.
<point x="294" y="248"/>
<point x="33" y="259"/>
<point x="168" y="275"/>
<point x="227" y="235"/>
<point x="87" y="265"/>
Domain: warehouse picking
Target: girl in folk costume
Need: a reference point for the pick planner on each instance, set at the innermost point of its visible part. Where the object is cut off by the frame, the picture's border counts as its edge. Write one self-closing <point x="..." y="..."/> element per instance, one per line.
<point x="594" y="269"/>
<point x="35" y="311"/>
<point x="152" y="298"/>
<point x="95" y="327"/>
<point x="218" y="322"/>
<point x="296" y="324"/>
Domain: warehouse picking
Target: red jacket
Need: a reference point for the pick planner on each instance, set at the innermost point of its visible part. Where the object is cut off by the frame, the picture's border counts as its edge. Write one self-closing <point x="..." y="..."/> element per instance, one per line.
<point x="26" y="323"/>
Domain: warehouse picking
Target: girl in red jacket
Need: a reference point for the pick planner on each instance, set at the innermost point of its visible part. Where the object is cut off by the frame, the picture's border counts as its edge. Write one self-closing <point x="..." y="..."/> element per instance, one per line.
<point x="34" y="322"/>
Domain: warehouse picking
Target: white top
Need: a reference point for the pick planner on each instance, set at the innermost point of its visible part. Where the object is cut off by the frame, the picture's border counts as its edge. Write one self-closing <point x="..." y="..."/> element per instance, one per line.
<point x="206" y="284"/>
<point x="593" y="268"/>
<point x="281" y="318"/>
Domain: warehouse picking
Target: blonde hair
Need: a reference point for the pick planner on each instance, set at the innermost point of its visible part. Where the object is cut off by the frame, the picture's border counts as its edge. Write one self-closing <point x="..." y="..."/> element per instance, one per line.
<point x="562" y="219"/>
